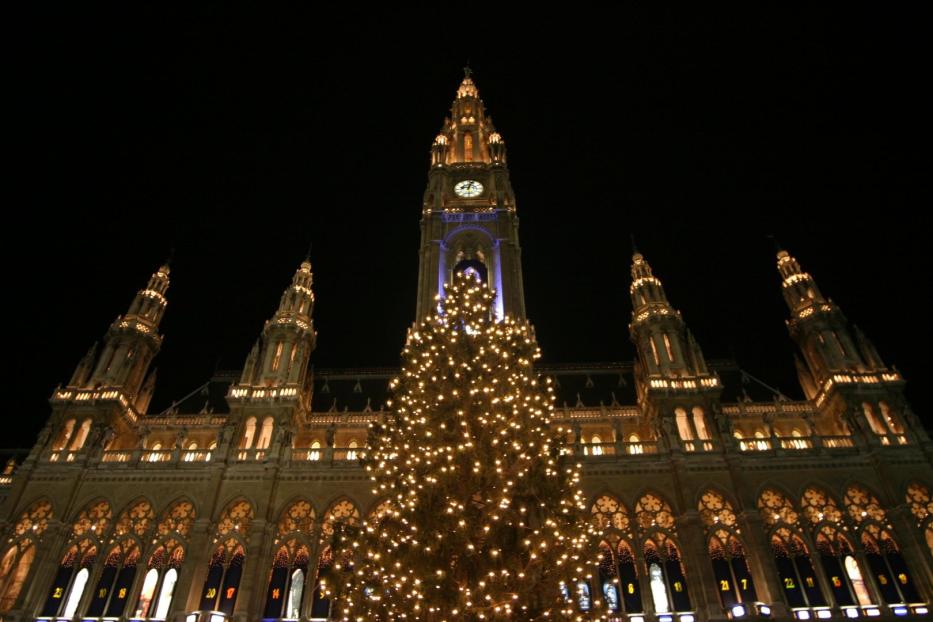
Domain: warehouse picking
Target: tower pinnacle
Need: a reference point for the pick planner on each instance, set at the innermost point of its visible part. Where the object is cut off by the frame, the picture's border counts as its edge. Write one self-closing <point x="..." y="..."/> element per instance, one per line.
<point x="468" y="211"/>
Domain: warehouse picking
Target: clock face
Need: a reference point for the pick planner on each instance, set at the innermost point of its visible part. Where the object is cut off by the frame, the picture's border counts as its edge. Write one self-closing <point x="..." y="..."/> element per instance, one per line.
<point x="468" y="189"/>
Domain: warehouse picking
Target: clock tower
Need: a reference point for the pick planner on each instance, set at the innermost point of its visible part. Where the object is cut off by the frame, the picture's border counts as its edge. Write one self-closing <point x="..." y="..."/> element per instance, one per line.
<point x="468" y="217"/>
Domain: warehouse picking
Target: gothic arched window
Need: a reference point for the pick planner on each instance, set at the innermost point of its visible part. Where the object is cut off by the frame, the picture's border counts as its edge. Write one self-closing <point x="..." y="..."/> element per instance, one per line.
<point x="617" y="574"/>
<point x="666" y="574"/>
<point x="265" y="434"/>
<point x="290" y="564"/>
<point x="730" y="566"/>
<point x="842" y="570"/>
<point x="81" y="436"/>
<point x="70" y="582"/>
<point x="222" y="585"/>
<point x="791" y="556"/>
<point x="249" y="431"/>
<point x="17" y="561"/>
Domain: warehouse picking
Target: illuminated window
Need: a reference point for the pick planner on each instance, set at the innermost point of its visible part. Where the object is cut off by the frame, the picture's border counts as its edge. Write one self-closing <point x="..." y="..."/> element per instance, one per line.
<point x="315" y="452"/>
<point x="858" y="583"/>
<point x="77" y="591"/>
<point x="699" y="422"/>
<point x="668" y="348"/>
<point x="265" y="434"/>
<point x="147" y="593"/>
<point x="596" y="442"/>
<point x="65" y="435"/>
<point x="888" y="416"/>
<point x="683" y="424"/>
<point x="166" y="593"/>
<point x="222" y="585"/>
<point x="277" y="357"/>
<point x="351" y="452"/>
<point x="249" y="430"/>
<point x="467" y="147"/>
<point x="876" y="426"/>
<point x="81" y="435"/>
<point x="654" y="352"/>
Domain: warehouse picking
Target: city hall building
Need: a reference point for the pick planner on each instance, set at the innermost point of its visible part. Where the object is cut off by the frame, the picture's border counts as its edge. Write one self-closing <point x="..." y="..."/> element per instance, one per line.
<point x="717" y="498"/>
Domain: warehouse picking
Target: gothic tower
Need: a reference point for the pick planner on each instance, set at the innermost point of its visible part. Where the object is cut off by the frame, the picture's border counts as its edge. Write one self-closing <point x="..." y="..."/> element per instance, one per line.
<point x="840" y="370"/>
<point x="109" y="388"/>
<point x="274" y="389"/>
<point x="468" y="216"/>
<point x="675" y="386"/>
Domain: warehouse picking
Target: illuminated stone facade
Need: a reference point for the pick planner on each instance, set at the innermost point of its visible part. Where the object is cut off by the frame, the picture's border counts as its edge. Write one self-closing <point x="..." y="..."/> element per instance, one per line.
<point x="718" y="497"/>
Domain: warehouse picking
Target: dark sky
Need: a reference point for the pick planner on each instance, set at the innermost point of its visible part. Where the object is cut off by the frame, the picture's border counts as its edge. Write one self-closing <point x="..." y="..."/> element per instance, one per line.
<point x="238" y="138"/>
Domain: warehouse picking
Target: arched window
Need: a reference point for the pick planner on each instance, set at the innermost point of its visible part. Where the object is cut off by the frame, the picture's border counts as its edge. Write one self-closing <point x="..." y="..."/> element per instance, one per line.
<point x="893" y="424"/>
<point x="668" y="348"/>
<point x="351" y="450"/>
<point x="730" y="566"/>
<point x="17" y="561"/>
<point x="683" y="425"/>
<point x="795" y="570"/>
<point x="76" y="592"/>
<point x="876" y="426"/>
<point x="249" y="430"/>
<point x="81" y="435"/>
<point x="666" y="575"/>
<point x="467" y="147"/>
<point x="842" y="570"/>
<point x="265" y="435"/>
<point x="315" y="452"/>
<point x="222" y="585"/>
<point x="159" y="583"/>
<point x="655" y="520"/>
<point x="115" y="580"/>
<point x="618" y="577"/>
<point x="62" y="441"/>
<point x="635" y="446"/>
<point x="277" y="357"/>
<point x="892" y="577"/>
<point x="790" y="553"/>
<point x="699" y="422"/>
<point x="654" y="351"/>
<point x="81" y="552"/>
<point x="290" y="565"/>
<point x="596" y="441"/>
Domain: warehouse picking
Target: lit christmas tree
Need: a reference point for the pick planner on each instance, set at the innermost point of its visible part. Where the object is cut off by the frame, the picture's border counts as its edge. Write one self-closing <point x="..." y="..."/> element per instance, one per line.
<point x="483" y="518"/>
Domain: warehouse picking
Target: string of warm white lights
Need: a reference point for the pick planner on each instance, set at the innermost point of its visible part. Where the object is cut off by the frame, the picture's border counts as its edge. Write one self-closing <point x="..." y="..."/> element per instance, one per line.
<point x="485" y="518"/>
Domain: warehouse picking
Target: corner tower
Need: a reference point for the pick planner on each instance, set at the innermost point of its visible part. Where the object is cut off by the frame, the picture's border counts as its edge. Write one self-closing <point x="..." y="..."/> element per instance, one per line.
<point x="468" y="215"/>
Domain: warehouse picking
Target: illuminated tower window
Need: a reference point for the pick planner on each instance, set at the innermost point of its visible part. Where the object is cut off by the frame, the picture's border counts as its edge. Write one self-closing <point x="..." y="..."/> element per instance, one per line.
<point x="467" y="147"/>
<point x="668" y="348"/>
<point x="277" y="358"/>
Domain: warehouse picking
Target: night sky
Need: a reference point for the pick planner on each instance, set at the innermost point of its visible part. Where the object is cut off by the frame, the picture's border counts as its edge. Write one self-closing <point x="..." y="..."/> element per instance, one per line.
<point x="239" y="138"/>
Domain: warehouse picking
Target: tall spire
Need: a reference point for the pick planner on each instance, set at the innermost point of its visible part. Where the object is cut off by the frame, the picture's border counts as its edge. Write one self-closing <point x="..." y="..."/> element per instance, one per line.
<point x="468" y="134"/>
<point x="819" y="327"/>
<point x="280" y="356"/>
<point x="657" y="329"/>
<point x="468" y="211"/>
<point x="130" y="344"/>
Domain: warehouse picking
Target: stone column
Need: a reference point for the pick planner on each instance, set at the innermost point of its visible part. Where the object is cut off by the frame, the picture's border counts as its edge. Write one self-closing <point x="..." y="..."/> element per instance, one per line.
<point x="261" y="549"/>
<point x="194" y="570"/>
<point x="761" y="562"/>
<point x="702" y="587"/>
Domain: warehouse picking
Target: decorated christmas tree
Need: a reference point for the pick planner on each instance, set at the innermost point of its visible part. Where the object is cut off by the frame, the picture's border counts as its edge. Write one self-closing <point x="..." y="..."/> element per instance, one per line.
<point x="483" y="518"/>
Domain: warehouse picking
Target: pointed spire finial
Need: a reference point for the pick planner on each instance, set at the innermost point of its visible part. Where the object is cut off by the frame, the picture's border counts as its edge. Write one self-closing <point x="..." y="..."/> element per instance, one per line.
<point x="634" y="248"/>
<point x="467" y="71"/>
<point x="308" y="254"/>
